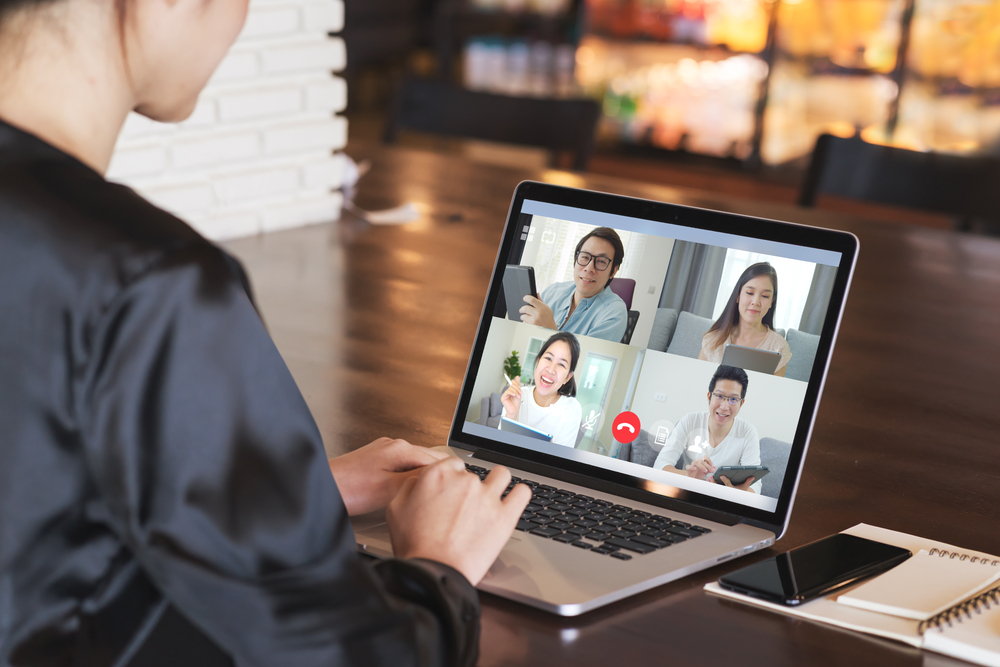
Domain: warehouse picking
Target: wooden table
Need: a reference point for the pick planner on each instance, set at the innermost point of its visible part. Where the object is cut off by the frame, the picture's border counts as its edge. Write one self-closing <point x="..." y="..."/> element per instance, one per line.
<point x="377" y="322"/>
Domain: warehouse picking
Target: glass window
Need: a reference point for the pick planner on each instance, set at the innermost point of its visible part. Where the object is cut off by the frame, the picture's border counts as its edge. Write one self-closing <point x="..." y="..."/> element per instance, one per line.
<point x="794" y="281"/>
<point x="528" y="365"/>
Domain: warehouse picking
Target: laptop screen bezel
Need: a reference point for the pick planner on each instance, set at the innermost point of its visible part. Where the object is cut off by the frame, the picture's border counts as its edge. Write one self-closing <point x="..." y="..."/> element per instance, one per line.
<point x="696" y="218"/>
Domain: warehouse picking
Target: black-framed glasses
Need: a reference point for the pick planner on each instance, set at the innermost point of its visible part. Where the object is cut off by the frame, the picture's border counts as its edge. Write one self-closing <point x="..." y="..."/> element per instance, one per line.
<point x="600" y="261"/>
<point x="733" y="400"/>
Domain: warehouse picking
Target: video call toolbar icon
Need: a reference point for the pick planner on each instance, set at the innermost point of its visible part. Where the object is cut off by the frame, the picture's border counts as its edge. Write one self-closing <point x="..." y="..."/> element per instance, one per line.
<point x="590" y="421"/>
<point x="626" y="427"/>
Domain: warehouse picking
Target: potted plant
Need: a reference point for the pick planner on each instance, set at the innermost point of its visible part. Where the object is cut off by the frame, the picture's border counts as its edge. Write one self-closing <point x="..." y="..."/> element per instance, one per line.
<point x="512" y="366"/>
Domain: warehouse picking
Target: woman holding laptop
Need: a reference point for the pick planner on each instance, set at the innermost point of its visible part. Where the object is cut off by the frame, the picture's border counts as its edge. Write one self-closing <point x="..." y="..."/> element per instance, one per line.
<point x="748" y="318"/>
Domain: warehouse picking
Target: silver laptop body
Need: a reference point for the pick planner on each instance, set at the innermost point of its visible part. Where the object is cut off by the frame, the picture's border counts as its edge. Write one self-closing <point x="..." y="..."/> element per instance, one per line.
<point x="660" y="383"/>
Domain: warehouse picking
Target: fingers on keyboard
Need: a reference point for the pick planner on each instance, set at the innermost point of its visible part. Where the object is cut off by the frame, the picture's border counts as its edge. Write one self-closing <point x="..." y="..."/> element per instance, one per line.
<point x="590" y="523"/>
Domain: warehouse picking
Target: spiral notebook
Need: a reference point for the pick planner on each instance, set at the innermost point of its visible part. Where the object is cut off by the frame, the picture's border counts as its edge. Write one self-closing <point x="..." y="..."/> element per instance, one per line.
<point x="968" y="630"/>
<point x="904" y="590"/>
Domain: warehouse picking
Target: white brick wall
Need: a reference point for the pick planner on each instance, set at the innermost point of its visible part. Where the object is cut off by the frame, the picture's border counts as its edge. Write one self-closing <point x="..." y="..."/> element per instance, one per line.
<point x="258" y="153"/>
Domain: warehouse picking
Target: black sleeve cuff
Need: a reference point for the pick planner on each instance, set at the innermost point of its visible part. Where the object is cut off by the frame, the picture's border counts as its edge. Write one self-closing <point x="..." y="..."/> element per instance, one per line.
<point x="446" y="593"/>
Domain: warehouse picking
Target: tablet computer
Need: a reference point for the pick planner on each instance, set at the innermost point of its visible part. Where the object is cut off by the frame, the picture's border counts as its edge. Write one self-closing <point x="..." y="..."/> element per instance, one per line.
<point x="739" y="474"/>
<point x="751" y="359"/>
<point x="518" y="281"/>
<point x="512" y="426"/>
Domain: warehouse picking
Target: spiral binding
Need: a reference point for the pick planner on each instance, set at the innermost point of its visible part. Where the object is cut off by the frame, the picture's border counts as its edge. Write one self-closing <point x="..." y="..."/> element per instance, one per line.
<point x="952" y="615"/>
<point x="963" y="557"/>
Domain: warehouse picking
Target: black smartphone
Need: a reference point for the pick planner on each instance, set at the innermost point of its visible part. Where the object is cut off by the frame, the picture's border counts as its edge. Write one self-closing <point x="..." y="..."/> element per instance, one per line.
<point x="517" y="282"/>
<point x="813" y="570"/>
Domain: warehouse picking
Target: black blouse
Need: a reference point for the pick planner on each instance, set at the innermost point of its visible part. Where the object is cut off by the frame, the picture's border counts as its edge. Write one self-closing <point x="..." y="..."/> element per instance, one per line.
<point x="156" y="455"/>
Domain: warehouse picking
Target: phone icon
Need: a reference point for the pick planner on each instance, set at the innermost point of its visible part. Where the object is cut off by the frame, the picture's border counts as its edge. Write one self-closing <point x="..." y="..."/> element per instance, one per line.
<point x="626" y="427"/>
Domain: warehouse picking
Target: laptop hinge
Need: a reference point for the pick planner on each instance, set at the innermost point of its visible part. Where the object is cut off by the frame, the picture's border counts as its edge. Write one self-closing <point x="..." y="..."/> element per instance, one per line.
<point x="609" y="487"/>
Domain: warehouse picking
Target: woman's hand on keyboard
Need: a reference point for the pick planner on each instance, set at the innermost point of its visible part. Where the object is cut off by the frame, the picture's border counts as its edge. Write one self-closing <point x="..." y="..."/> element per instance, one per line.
<point x="448" y="515"/>
<point x="369" y="477"/>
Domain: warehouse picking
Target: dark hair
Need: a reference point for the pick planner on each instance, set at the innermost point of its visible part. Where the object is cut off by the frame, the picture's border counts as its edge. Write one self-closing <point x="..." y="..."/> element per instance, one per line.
<point x="10" y="7"/>
<point x="730" y="316"/>
<point x="611" y="236"/>
<point x="569" y="388"/>
<point x="730" y="373"/>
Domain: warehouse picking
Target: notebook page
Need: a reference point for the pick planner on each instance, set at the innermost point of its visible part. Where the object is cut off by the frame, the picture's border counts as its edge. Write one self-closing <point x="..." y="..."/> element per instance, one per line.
<point x="827" y="610"/>
<point x="922" y="586"/>
<point x="975" y="638"/>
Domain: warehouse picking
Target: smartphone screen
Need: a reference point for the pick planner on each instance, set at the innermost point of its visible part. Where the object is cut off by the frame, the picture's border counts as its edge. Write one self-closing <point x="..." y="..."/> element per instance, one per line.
<point x="814" y="569"/>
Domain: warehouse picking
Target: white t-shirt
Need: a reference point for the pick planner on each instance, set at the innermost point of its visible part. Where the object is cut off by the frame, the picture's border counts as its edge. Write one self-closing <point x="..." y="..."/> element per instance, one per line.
<point x="690" y="438"/>
<point x="561" y="419"/>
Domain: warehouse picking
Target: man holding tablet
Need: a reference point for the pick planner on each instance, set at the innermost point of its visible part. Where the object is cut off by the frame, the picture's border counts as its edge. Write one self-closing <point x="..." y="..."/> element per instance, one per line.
<point x="586" y="306"/>
<point x="709" y="440"/>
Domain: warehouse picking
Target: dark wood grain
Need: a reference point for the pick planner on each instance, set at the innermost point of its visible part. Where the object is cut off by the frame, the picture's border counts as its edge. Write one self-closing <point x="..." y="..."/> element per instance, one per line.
<point x="376" y="323"/>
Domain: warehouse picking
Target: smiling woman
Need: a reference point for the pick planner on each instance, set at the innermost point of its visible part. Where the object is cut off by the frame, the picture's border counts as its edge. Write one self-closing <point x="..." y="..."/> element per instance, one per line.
<point x="549" y="405"/>
<point x="748" y="318"/>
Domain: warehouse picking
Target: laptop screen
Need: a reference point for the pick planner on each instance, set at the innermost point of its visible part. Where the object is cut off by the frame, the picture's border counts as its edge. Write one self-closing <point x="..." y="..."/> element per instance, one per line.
<point x="618" y="352"/>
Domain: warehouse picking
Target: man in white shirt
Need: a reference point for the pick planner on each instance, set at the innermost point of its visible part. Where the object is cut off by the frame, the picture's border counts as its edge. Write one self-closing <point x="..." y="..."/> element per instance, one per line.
<point x="706" y="441"/>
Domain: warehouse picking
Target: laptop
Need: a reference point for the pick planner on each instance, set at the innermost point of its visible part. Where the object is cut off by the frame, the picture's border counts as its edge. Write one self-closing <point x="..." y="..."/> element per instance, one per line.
<point x="607" y="520"/>
<point x="751" y="358"/>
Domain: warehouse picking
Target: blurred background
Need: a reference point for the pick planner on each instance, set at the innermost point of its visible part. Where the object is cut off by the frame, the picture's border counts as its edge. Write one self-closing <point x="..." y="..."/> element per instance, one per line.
<point x="727" y="95"/>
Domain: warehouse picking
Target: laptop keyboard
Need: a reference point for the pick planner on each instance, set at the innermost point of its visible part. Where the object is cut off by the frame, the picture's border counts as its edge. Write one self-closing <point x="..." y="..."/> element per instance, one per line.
<point x="594" y="524"/>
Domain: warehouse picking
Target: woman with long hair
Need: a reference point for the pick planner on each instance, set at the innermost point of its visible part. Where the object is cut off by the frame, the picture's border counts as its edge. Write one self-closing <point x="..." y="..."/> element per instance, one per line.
<point x="550" y="404"/>
<point x="748" y="318"/>
<point x="164" y="486"/>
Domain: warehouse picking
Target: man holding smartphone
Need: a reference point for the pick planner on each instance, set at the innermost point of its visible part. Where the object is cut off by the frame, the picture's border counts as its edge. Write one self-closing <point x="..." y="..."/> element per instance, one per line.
<point x="706" y="441"/>
<point x="586" y="306"/>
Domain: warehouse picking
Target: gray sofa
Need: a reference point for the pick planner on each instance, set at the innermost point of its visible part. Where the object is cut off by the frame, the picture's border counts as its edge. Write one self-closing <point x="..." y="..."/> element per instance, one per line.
<point x="680" y="332"/>
<point x="490" y="409"/>
<point x="773" y="454"/>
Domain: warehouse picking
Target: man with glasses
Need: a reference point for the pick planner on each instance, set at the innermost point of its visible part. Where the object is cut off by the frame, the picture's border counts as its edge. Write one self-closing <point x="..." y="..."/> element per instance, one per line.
<point x="586" y="306"/>
<point x="704" y="441"/>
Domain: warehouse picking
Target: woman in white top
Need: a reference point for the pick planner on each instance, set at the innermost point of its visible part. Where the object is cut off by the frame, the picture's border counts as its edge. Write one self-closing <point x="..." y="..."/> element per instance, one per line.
<point x="550" y="405"/>
<point x="748" y="318"/>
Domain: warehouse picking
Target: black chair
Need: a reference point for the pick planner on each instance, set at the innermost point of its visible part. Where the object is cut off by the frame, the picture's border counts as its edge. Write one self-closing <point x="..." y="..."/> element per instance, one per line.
<point x="625" y="289"/>
<point x="439" y="107"/>
<point x="633" y="318"/>
<point x="962" y="186"/>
